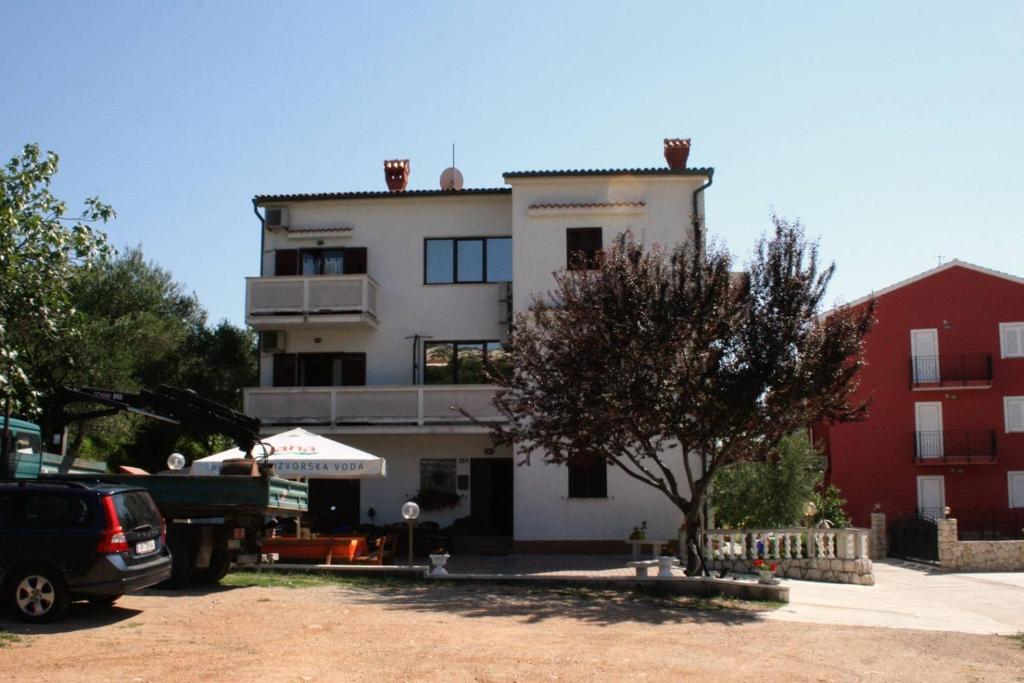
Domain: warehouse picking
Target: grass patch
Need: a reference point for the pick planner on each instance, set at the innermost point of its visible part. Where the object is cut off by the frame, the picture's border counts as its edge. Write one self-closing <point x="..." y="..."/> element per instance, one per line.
<point x="8" y="639"/>
<point x="1018" y="638"/>
<point x="305" y="580"/>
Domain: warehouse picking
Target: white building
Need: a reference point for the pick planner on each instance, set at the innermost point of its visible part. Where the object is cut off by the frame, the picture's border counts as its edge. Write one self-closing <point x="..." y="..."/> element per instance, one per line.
<point x="376" y="310"/>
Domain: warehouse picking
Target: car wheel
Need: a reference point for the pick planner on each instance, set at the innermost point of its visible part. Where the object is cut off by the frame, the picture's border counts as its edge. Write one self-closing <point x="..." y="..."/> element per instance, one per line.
<point x="104" y="601"/>
<point x="38" y="594"/>
<point x="181" y="563"/>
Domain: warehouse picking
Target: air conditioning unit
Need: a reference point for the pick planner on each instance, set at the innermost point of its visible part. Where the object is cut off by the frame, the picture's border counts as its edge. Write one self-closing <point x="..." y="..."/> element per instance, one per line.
<point x="272" y="342"/>
<point x="505" y="311"/>
<point x="276" y="217"/>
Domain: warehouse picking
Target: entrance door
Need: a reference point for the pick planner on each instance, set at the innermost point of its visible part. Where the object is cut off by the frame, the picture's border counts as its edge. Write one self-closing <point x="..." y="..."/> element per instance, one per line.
<point x="931" y="496"/>
<point x="924" y="350"/>
<point x="929" y="429"/>
<point x="490" y="495"/>
<point x="334" y="504"/>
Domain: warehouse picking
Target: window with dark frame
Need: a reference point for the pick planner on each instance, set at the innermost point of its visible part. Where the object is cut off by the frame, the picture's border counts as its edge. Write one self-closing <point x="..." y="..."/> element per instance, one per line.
<point x="467" y="260"/>
<point x="588" y="481"/>
<point x="321" y="261"/>
<point x="582" y="248"/>
<point x="319" y="369"/>
<point x="438" y="474"/>
<point x="463" y="362"/>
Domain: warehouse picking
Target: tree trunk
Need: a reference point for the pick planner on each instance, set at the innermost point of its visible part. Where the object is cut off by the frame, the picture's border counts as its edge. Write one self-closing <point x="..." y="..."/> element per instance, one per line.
<point x="694" y="517"/>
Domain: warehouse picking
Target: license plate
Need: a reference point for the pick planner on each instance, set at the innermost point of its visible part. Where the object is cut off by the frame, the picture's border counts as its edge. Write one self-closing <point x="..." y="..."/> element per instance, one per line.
<point x="145" y="547"/>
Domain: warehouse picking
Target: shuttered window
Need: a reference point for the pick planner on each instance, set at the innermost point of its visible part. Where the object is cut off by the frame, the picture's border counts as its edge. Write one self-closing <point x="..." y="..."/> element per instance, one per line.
<point x="1014" y="409"/>
<point x="340" y="261"/>
<point x="588" y="481"/>
<point x="1016" y="481"/>
<point x="319" y="369"/>
<point x="582" y="246"/>
<point x="1011" y="336"/>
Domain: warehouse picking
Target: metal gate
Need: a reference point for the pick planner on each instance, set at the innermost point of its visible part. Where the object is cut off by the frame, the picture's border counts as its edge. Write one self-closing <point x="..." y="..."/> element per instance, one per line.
<point x="914" y="537"/>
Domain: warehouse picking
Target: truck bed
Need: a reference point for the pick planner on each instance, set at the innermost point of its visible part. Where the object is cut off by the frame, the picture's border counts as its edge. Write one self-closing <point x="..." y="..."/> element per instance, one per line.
<point x="180" y="495"/>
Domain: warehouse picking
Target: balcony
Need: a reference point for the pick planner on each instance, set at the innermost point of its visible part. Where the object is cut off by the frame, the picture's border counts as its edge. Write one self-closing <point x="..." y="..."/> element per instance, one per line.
<point x="374" y="408"/>
<point x="964" y="371"/>
<point x="957" y="447"/>
<point x="274" y="303"/>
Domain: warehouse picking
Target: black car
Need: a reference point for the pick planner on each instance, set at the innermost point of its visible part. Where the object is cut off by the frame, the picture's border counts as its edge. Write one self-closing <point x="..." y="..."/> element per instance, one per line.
<point x="62" y="541"/>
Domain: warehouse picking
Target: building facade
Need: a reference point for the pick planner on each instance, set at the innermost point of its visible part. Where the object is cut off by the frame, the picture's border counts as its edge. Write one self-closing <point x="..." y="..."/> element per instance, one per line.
<point x="377" y="311"/>
<point x="945" y="376"/>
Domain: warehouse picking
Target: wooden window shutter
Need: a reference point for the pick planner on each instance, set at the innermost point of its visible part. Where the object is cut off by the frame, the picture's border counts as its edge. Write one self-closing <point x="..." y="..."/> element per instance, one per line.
<point x="353" y="369"/>
<point x="284" y="369"/>
<point x="286" y="262"/>
<point x="355" y="261"/>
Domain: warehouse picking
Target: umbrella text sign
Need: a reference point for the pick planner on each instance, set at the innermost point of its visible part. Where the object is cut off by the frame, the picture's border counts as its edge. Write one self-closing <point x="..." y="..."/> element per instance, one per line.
<point x="300" y="454"/>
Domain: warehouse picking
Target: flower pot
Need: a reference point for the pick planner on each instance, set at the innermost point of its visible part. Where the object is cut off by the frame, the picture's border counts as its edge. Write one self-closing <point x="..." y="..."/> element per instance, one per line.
<point x="438" y="561"/>
<point x="768" y="580"/>
<point x="665" y="564"/>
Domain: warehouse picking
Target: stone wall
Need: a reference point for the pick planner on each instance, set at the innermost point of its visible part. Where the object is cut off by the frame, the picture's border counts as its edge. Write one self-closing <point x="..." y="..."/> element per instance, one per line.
<point x="878" y="541"/>
<point x="976" y="556"/>
<point x="833" y="570"/>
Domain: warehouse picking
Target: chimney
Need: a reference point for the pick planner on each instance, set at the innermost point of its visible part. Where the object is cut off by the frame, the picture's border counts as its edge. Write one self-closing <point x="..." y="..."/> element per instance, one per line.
<point x="676" y="152"/>
<point x="396" y="173"/>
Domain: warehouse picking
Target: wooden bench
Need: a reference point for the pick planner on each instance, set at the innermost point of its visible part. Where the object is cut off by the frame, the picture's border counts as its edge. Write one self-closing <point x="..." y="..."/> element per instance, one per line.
<point x="324" y="550"/>
<point x="383" y="547"/>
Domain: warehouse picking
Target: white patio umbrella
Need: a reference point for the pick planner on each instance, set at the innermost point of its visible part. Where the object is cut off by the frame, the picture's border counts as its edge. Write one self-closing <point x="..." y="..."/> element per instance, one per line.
<point x="298" y="454"/>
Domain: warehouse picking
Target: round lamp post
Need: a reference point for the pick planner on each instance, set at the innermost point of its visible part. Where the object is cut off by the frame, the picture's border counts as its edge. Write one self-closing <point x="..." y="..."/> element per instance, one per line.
<point x="410" y="511"/>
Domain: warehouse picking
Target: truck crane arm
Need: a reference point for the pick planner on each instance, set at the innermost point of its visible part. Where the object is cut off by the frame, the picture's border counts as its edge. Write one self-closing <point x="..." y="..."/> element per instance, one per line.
<point x="172" y="405"/>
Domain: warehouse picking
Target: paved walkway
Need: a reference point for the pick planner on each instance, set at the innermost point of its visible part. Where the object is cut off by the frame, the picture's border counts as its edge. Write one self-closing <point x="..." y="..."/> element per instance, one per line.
<point x="910" y="595"/>
<point x="905" y="594"/>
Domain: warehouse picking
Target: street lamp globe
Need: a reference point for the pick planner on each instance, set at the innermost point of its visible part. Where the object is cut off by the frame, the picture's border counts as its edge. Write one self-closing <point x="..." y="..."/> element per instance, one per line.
<point x="410" y="510"/>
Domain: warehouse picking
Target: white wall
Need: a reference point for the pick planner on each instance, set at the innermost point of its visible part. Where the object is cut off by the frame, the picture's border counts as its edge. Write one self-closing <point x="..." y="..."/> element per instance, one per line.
<point x="393" y="230"/>
<point x="539" y="240"/>
<point x="544" y="511"/>
<point x="403" y="454"/>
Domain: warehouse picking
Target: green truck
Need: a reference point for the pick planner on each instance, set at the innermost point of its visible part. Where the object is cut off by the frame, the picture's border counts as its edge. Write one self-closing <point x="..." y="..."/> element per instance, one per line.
<point x="212" y="522"/>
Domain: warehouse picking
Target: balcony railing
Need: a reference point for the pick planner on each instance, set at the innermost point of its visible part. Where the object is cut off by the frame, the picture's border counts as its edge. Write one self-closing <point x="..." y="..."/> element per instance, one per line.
<point x="272" y="302"/>
<point x="372" y="405"/>
<point x="957" y="370"/>
<point x="955" y="447"/>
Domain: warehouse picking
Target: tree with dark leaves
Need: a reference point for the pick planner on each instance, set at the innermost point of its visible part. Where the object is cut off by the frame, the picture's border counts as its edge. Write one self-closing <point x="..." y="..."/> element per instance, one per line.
<point x="657" y="354"/>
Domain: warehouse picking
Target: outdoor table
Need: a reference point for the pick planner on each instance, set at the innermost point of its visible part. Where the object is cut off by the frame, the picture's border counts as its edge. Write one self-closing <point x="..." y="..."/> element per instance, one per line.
<point x="655" y="544"/>
<point x="324" y="548"/>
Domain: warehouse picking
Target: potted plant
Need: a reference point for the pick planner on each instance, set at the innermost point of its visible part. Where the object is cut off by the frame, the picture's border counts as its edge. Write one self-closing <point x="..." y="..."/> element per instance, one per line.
<point x="438" y="558"/>
<point x="765" y="571"/>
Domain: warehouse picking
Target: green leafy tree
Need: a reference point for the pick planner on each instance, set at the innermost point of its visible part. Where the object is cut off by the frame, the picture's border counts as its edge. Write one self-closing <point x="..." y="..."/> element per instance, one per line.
<point x="661" y="352"/>
<point x="41" y="249"/>
<point x="773" y="493"/>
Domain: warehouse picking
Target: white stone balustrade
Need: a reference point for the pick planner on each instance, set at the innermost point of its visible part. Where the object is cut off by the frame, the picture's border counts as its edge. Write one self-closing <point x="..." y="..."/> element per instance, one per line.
<point x="800" y="552"/>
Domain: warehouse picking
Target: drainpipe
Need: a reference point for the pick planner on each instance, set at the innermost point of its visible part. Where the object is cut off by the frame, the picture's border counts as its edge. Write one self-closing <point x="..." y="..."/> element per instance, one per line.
<point x="698" y="237"/>
<point x="263" y="246"/>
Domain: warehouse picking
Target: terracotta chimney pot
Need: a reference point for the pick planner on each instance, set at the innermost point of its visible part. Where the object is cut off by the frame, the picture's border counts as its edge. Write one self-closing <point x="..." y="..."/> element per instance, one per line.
<point x="396" y="174"/>
<point x="677" y="150"/>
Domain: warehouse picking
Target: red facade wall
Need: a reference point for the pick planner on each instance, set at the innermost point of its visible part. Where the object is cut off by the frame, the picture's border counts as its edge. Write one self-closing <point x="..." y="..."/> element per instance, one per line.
<point x="872" y="462"/>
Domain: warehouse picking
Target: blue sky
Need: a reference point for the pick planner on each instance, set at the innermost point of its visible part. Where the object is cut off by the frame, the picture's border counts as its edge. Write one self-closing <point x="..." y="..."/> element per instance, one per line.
<point x="895" y="131"/>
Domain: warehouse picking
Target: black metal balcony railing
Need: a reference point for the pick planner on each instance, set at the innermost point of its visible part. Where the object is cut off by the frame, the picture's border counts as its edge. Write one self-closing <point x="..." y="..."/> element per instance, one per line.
<point x="982" y="522"/>
<point x="961" y="369"/>
<point x="960" y="447"/>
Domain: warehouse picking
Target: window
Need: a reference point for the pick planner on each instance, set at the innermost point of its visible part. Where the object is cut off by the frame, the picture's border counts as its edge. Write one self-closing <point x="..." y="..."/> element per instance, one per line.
<point x="588" y="481"/>
<point x="1016" y="482"/>
<point x="56" y="512"/>
<point x="334" y="261"/>
<point x="467" y="260"/>
<point x="1011" y="338"/>
<point x="582" y="247"/>
<point x="438" y="474"/>
<point x="462" y="362"/>
<point x="1013" y="407"/>
<point x="319" y="369"/>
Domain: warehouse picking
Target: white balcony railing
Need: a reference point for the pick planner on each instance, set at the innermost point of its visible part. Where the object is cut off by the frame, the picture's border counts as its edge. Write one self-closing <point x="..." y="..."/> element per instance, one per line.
<point x="274" y="301"/>
<point x="372" y="405"/>
<point x="785" y="544"/>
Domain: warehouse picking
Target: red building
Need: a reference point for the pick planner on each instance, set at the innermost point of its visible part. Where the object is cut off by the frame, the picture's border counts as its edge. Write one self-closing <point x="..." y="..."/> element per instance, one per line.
<point x="945" y="373"/>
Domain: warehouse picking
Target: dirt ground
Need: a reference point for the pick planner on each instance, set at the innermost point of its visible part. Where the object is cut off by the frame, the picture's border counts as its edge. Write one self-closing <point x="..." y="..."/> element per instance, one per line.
<point x="319" y="631"/>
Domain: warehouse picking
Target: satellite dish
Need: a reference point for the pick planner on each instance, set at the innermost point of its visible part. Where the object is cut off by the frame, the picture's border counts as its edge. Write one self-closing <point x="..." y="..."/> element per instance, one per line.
<point x="451" y="179"/>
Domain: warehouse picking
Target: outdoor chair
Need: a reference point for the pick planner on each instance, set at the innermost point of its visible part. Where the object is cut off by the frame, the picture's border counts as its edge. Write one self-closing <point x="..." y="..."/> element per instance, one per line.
<point x="384" y="547"/>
